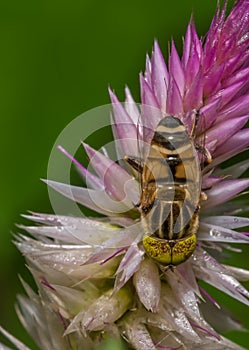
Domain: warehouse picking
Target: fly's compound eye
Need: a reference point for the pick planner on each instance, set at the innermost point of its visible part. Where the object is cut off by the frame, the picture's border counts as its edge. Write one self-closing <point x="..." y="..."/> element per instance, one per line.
<point x="169" y="252"/>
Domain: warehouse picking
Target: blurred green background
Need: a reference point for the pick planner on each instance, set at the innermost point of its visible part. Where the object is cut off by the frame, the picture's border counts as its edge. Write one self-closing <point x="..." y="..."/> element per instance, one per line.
<point x="57" y="59"/>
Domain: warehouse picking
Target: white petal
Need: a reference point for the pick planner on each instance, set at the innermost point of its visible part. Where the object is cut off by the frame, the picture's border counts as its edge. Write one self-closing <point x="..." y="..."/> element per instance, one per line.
<point x="106" y="309"/>
<point x="210" y="271"/>
<point x="188" y="276"/>
<point x="183" y="294"/>
<point x="99" y="201"/>
<point x="238" y="273"/>
<point x="208" y="232"/>
<point x="173" y="312"/>
<point x="85" y="230"/>
<point x="137" y="333"/>
<point x="234" y="171"/>
<point x="128" y="266"/>
<point x="19" y="345"/>
<point x="124" y="239"/>
<point x="221" y="319"/>
<point x="148" y="285"/>
<point x="226" y="221"/>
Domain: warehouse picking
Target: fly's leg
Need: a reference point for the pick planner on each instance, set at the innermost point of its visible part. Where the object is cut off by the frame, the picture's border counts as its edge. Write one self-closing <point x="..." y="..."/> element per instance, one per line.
<point x="203" y="150"/>
<point x="195" y="123"/>
<point x="135" y="163"/>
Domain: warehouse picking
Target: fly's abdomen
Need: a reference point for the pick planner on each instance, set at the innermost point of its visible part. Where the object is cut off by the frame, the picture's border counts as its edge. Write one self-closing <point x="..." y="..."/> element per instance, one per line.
<point x="171" y="213"/>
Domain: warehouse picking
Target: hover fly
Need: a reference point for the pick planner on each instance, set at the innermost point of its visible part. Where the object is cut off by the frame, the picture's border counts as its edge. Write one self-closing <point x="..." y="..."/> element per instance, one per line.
<point x="170" y="193"/>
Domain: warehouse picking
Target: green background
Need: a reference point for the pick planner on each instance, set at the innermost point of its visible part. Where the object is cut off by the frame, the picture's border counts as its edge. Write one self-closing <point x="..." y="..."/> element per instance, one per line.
<point x="57" y="59"/>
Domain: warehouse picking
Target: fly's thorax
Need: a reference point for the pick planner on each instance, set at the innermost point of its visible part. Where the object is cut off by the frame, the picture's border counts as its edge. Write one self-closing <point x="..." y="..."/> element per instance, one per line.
<point x="170" y="135"/>
<point x="173" y="157"/>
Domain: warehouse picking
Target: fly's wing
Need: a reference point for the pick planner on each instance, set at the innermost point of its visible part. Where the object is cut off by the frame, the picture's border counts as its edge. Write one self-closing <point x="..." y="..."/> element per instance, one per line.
<point x="192" y="190"/>
<point x="193" y="161"/>
<point x="157" y="178"/>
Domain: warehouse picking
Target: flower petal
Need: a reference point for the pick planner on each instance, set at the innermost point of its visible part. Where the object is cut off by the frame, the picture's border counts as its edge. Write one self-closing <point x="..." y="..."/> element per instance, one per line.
<point x="174" y="98"/>
<point x="116" y="180"/>
<point x="117" y="244"/>
<point x="214" y="233"/>
<point x="236" y="144"/>
<point x="221" y="319"/>
<point x="159" y="76"/>
<point x="93" y="199"/>
<point x="210" y="271"/>
<point x="194" y="95"/>
<point x="224" y="191"/>
<point x="89" y="178"/>
<point x="19" y="345"/>
<point x="229" y="128"/>
<point x="128" y="266"/>
<point x="211" y="80"/>
<point x="188" y="276"/>
<point x="150" y="109"/>
<point x="238" y="273"/>
<point x="227" y="94"/>
<point x="131" y="107"/>
<point x="192" y="54"/>
<point x="226" y="221"/>
<point x="147" y="73"/>
<point x="148" y="285"/>
<point x="235" y="108"/>
<point x="171" y="310"/>
<point x="208" y="181"/>
<point x="209" y="111"/>
<point x="176" y="70"/>
<point x="136" y="332"/>
<point x="124" y="128"/>
<point x="234" y="171"/>
<point x="83" y="231"/>
<point x="106" y="309"/>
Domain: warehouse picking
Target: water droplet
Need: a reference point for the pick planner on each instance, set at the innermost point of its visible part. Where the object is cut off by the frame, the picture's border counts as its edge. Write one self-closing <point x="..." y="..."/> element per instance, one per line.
<point x="215" y="233"/>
